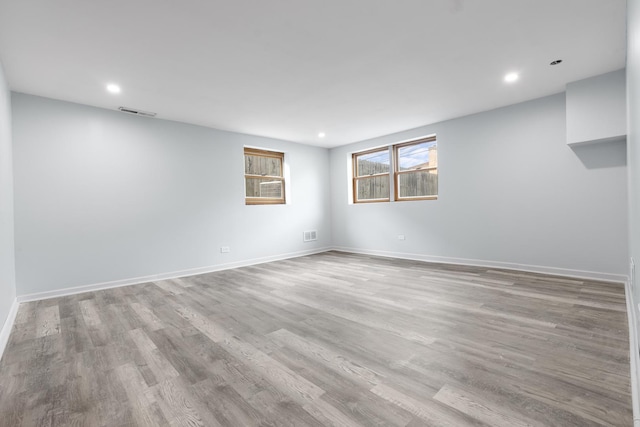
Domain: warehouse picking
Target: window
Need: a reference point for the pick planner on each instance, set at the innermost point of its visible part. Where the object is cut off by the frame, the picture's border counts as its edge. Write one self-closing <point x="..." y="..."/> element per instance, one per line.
<point x="371" y="176"/>
<point x="414" y="170"/>
<point x="263" y="177"/>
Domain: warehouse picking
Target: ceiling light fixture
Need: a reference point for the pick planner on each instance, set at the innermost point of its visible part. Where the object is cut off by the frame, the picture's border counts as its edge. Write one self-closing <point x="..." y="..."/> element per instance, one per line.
<point x="556" y="62"/>
<point x="321" y="134"/>
<point x="511" y="77"/>
<point x="113" y="88"/>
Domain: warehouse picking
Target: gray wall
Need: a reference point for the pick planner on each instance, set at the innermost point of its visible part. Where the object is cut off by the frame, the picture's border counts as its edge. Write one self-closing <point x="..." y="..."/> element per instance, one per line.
<point x="510" y="191"/>
<point x="597" y="108"/>
<point x="103" y="196"/>
<point x="7" y="259"/>
<point x="633" y="139"/>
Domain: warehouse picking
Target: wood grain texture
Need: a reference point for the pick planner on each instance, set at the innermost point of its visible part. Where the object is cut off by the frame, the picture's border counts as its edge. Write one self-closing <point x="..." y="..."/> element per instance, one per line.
<point x="332" y="339"/>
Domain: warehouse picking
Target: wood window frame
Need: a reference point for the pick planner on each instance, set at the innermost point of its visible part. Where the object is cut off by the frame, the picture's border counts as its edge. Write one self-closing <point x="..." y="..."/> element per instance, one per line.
<point x="397" y="172"/>
<point x="265" y="200"/>
<point x="356" y="176"/>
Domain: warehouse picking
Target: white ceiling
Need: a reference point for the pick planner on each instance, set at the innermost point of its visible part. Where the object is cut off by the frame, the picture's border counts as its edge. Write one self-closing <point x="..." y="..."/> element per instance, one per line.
<point x="288" y="69"/>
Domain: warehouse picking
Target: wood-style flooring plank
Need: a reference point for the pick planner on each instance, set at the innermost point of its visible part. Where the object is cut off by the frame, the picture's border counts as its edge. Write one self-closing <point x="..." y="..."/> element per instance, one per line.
<point x="332" y="339"/>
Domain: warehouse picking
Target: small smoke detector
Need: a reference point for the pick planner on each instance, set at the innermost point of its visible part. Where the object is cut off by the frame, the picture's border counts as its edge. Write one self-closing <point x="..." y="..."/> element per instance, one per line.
<point x="136" y="112"/>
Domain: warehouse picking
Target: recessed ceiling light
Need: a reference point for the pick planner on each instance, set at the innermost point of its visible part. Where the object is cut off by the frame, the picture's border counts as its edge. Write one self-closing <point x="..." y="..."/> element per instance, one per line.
<point x="321" y="134"/>
<point x="556" y="62"/>
<point x="113" y="88"/>
<point x="511" y="77"/>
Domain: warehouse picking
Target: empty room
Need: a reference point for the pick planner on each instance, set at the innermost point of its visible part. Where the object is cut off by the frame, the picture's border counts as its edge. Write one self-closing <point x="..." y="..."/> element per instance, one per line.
<point x="319" y="213"/>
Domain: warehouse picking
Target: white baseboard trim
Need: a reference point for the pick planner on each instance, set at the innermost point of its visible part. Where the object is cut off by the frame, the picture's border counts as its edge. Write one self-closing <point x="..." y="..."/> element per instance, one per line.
<point x="418" y="257"/>
<point x="577" y="274"/>
<point x="5" y="332"/>
<point x="163" y="276"/>
<point x="634" y="353"/>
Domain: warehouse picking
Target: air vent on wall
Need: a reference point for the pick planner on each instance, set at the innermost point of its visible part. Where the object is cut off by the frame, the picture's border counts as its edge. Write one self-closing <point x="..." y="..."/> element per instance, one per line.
<point x="136" y="112"/>
<point x="310" y="236"/>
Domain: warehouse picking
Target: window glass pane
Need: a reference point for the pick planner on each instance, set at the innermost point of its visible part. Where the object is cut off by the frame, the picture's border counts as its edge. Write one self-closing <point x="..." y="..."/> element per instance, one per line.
<point x="376" y="187"/>
<point x="423" y="155"/>
<point x="263" y="187"/>
<point x="261" y="165"/>
<point x="373" y="163"/>
<point x="418" y="184"/>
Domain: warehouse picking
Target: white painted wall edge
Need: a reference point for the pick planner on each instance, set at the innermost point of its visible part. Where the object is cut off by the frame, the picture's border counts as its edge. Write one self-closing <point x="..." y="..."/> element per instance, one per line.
<point x="576" y="274"/>
<point x="163" y="276"/>
<point x="634" y="354"/>
<point x="8" y="326"/>
<point x="598" y="141"/>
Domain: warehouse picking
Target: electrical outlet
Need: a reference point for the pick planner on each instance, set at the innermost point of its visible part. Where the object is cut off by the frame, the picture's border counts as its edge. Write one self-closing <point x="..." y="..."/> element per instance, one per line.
<point x="225" y="249"/>
<point x="400" y="236"/>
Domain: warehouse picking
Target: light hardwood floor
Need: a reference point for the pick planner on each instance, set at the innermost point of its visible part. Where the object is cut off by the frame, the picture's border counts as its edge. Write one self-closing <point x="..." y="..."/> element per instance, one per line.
<point x="328" y="339"/>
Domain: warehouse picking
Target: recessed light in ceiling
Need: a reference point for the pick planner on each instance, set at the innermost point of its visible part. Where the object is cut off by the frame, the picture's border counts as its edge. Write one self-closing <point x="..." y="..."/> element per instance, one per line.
<point x="113" y="88"/>
<point x="511" y="77"/>
<point x="321" y="134"/>
<point x="556" y="62"/>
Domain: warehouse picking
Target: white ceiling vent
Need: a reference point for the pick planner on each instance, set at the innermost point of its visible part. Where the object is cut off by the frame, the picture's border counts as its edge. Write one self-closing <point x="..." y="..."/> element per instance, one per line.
<point x="136" y="112"/>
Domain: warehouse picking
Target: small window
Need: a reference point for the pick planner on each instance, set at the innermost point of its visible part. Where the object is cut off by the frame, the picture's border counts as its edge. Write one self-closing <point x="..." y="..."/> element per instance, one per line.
<point x="263" y="177"/>
<point x="371" y="176"/>
<point x="416" y="170"/>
